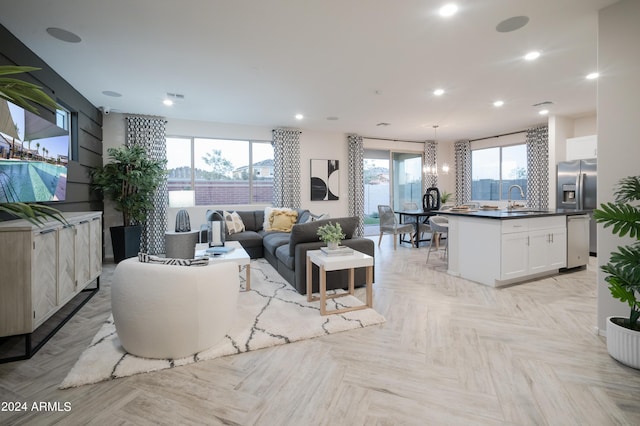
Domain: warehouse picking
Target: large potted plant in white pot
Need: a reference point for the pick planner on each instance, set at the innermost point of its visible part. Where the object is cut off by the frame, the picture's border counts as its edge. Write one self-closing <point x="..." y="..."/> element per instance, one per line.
<point x="623" y="269"/>
<point x="130" y="180"/>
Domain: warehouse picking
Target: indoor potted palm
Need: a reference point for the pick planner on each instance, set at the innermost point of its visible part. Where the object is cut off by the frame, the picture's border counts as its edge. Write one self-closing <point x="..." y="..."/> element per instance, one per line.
<point x="623" y="269"/>
<point x="331" y="234"/>
<point x="130" y="180"/>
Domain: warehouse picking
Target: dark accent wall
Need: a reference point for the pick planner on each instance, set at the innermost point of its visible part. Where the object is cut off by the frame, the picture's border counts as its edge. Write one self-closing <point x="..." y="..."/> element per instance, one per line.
<point x="86" y="123"/>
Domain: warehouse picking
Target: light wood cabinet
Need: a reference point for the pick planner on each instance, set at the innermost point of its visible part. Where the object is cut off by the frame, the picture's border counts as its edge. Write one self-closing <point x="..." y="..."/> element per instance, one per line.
<point x="43" y="268"/>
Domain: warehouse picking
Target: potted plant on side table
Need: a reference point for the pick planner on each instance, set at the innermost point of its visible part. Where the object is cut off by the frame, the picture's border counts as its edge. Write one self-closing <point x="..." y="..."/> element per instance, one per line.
<point x="331" y="234"/>
<point x="623" y="269"/>
<point x="130" y="180"/>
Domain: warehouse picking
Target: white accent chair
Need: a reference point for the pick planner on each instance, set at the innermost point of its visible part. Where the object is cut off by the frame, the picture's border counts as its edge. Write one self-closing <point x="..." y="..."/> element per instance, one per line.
<point x="439" y="226"/>
<point x="389" y="225"/>
<point x="170" y="311"/>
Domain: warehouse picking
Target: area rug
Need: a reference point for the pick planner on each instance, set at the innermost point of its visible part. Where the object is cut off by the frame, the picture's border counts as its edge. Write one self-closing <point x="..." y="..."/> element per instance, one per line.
<point x="272" y="313"/>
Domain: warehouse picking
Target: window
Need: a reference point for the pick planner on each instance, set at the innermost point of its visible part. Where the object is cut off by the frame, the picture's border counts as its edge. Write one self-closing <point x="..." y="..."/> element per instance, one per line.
<point x="494" y="170"/>
<point x="221" y="171"/>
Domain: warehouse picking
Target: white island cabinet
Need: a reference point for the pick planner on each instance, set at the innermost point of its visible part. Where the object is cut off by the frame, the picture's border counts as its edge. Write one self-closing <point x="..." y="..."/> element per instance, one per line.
<point x="498" y="251"/>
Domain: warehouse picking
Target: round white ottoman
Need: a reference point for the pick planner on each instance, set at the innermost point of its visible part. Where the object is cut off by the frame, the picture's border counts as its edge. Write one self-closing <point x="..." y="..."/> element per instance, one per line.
<point x="170" y="311"/>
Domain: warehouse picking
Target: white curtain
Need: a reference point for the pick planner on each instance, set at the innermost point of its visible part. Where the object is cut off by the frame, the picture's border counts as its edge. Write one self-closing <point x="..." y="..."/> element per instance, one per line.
<point x="356" y="180"/>
<point x="149" y="132"/>
<point x="537" y="139"/>
<point x="430" y="160"/>
<point x="286" y="168"/>
<point x="463" y="171"/>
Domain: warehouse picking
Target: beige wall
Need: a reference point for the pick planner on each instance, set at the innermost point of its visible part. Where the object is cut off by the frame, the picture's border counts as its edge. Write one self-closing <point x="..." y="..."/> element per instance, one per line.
<point x="618" y="124"/>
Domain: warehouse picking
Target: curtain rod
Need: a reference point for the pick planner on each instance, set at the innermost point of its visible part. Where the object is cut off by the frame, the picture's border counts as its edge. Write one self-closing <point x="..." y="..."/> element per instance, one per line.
<point x="498" y="136"/>
<point x="392" y="140"/>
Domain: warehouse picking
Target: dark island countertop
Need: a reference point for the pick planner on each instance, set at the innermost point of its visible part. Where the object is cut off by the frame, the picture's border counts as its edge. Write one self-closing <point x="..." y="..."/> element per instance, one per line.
<point x="511" y="214"/>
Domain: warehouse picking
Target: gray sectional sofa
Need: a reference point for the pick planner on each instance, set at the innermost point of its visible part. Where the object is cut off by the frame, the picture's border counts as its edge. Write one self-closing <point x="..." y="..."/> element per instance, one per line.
<point x="287" y="251"/>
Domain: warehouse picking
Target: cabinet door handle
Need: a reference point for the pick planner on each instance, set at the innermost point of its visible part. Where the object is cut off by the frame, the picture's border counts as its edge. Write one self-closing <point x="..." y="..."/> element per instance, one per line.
<point x="47" y="231"/>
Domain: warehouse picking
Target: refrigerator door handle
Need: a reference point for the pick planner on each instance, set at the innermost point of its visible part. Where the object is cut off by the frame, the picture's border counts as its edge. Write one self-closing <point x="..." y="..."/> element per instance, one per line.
<point x="579" y="191"/>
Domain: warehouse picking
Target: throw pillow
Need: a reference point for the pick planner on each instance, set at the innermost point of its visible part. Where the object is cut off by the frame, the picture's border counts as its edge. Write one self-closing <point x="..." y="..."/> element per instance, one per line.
<point x="148" y="258"/>
<point x="314" y="217"/>
<point x="268" y="213"/>
<point x="283" y="220"/>
<point x="234" y="222"/>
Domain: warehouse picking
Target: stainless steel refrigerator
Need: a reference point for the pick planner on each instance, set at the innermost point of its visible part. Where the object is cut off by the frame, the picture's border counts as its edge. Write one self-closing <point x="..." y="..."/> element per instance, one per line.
<point x="577" y="191"/>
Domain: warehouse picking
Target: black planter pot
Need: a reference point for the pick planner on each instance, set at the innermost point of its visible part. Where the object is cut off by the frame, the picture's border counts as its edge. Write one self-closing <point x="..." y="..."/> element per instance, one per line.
<point x="125" y="241"/>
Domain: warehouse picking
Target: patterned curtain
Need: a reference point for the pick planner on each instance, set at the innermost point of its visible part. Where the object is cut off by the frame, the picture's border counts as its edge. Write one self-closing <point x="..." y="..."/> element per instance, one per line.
<point x="356" y="180"/>
<point x="463" y="171"/>
<point x="430" y="160"/>
<point x="537" y="139"/>
<point x="286" y="168"/>
<point x="149" y="132"/>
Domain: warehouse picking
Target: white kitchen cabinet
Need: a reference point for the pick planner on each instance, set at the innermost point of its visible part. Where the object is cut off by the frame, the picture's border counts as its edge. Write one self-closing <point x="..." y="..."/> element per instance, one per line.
<point x="539" y="246"/>
<point x="45" y="267"/>
<point x="582" y="147"/>
<point x="496" y="251"/>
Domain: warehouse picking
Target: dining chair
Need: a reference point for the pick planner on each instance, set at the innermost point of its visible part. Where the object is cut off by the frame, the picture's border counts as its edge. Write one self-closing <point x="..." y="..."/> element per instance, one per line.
<point x="422" y="227"/>
<point x="439" y="226"/>
<point x="389" y="225"/>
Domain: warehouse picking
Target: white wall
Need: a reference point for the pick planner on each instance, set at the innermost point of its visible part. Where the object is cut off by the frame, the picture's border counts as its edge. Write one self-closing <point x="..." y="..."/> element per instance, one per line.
<point x="618" y="124"/>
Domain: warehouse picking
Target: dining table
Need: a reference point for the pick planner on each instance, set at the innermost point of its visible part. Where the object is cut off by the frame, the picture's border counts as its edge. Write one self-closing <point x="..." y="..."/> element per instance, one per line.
<point x="418" y="216"/>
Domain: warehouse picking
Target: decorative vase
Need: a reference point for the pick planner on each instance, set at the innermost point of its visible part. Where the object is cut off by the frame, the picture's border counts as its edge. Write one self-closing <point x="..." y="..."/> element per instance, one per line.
<point x="623" y="344"/>
<point x="333" y="245"/>
<point x="182" y="221"/>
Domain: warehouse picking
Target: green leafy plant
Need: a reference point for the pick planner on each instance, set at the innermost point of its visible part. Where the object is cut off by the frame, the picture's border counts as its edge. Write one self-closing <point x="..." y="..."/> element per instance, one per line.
<point x="331" y="233"/>
<point x="20" y="93"/>
<point x="130" y="180"/>
<point x="623" y="268"/>
<point x="445" y="196"/>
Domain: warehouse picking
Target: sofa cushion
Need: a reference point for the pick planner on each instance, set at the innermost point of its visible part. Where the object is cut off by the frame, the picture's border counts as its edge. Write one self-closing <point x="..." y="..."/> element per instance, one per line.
<point x="283" y="220"/>
<point x="282" y="253"/>
<point x="247" y="238"/>
<point x="234" y="222"/>
<point x="308" y="232"/>
<point x="272" y="240"/>
<point x="252" y="219"/>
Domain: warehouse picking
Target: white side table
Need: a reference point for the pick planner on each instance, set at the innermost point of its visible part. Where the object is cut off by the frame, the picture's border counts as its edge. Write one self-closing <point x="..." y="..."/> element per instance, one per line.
<point x="336" y="263"/>
<point x="239" y="256"/>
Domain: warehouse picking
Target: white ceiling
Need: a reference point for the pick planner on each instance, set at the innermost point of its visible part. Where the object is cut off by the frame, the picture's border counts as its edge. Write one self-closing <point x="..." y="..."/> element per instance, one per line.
<point x="260" y="62"/>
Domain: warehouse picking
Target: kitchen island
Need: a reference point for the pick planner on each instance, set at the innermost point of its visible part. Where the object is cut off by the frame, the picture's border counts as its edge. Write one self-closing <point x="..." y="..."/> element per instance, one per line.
<point x="500" y="247"/>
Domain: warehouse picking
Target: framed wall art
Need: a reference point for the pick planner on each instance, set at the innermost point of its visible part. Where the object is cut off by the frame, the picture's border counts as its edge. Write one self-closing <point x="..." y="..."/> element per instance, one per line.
<point x="325" y="180"/>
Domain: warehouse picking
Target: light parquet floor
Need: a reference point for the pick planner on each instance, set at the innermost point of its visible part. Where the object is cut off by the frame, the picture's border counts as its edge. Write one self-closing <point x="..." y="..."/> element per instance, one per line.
<point x="452" y="352"/>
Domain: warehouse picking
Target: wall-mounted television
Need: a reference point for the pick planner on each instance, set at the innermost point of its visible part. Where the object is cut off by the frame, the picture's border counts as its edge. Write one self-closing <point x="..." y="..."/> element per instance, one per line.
<point x="34" y="154"/>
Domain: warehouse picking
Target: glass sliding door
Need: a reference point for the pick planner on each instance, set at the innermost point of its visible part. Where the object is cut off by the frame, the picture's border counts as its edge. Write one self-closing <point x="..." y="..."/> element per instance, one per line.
<point x="376" y="187"/>
<point x="407" y="179"/>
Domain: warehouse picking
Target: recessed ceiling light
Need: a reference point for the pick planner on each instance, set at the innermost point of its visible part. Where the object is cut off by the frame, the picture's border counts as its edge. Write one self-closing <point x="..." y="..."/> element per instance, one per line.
<point x="448" y="10"/>
<point x="111" y="93"/>
<point x="438" y="92"/>
<point x="63" y="35"/>
<point x="498" y="103"/>
<point x="167" y="102"/>
<point x="299" y="116"/>
<point x="543" y="112"/>
<point x="592" y="76"/>
<point x="532" y="55"/>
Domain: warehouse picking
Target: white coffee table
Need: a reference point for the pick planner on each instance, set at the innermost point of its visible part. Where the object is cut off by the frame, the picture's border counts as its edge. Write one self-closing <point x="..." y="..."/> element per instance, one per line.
<point x="335" y="263"/>
<point x="239" y="256"/>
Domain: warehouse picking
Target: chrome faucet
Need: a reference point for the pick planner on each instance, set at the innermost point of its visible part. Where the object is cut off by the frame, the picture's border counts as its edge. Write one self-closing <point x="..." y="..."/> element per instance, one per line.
<point x="510" y="203"/>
